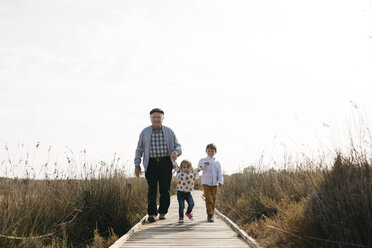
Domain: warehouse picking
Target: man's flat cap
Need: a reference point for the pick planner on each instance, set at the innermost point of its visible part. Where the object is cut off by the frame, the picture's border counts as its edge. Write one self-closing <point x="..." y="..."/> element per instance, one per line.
<point x="156" y="110"/>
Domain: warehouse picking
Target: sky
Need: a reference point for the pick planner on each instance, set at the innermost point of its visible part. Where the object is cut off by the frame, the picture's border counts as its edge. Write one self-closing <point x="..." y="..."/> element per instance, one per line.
<point x="259" y="78"/>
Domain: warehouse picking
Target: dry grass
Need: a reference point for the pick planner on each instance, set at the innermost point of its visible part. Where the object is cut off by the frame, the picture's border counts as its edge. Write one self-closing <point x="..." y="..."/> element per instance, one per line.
<point x="312" y="207"/>
<point x="69" y="213"/>
<point x="87" y="206"/>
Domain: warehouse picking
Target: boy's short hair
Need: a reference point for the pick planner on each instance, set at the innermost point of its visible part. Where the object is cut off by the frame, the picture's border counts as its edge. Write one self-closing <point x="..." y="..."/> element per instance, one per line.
<point x="211" y="146"/>
<point x="187" y="162"/>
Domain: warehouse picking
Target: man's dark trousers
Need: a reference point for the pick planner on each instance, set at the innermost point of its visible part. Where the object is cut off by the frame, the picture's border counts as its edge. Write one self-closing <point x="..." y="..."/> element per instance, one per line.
<point x="159" y="171"/>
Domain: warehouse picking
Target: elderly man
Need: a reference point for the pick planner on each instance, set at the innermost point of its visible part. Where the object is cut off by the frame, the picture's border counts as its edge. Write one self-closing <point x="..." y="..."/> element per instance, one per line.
<point x="157" y="144"/>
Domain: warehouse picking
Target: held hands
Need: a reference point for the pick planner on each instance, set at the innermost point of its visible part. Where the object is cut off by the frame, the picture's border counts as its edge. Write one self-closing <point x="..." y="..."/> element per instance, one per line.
<point x="174" y="155"/>
<point x="174" y="163"/>
<point x="202" y="165"/>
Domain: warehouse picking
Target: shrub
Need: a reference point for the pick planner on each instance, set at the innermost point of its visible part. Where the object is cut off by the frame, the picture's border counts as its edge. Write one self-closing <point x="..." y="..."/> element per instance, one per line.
<point x="339" y="212"/>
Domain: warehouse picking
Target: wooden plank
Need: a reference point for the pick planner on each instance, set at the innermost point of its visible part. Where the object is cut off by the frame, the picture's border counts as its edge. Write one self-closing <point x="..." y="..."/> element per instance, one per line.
<point x="197" y="233"/>
<point x="183" y="246"/>
<point x="182" y="241"/>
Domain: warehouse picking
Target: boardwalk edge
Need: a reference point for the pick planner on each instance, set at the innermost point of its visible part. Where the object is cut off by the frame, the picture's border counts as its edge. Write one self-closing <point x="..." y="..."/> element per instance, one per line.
<point x="126" y="236"/>
<point x="129" y="234"/>
<point x="248" y="239"/>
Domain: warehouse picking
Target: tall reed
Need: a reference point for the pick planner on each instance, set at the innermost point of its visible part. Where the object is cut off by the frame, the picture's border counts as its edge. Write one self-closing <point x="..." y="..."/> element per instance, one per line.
<point x="321" y="206"/>
<point x="87" y="203"/>
<point x="69" y="212"/>
<point x="339" y="211"/>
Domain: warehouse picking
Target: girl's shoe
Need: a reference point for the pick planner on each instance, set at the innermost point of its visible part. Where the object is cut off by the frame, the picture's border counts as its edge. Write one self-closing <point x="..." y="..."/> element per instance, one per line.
<point x="190" y="216"/>
<point x="180" y="220"/>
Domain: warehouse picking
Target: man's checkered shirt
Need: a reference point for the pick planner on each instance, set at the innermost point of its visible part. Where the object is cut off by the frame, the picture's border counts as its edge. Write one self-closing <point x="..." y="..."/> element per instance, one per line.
<point x="158" y="145"/>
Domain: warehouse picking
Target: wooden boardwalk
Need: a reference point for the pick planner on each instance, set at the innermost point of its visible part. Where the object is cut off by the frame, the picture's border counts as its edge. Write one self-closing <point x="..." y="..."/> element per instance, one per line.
<point x="197" y="233"/>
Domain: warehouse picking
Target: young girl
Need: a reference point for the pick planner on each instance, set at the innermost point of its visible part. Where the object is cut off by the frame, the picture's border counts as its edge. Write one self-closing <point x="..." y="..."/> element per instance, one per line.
<point x="186" y="176"/>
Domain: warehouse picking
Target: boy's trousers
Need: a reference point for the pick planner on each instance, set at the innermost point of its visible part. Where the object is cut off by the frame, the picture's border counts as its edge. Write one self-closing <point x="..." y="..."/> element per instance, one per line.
<point x="210" y="193"/>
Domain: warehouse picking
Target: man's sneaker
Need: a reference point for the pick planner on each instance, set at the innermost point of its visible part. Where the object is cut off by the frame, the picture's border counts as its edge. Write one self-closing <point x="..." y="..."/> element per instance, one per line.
<point x="190" y="216"/>
<point x="151" y="218"/>
<point x="210" y="218"/>
<point x="162" y="217"/>
<point x="180" y="220"/>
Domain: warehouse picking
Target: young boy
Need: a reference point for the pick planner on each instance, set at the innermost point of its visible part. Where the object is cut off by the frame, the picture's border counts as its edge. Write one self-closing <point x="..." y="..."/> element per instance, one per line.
<point x="211" y="179"/>
<point x="186" y="176"/>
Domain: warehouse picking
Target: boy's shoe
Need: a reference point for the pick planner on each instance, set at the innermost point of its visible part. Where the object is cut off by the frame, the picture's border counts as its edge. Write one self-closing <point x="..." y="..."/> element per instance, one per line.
<point x="162" y="217"/>
<point x="180" y="220"/>
<point x="151" y="218"/>
<point x="190" y="216"/>
<point x="210" y="218"/>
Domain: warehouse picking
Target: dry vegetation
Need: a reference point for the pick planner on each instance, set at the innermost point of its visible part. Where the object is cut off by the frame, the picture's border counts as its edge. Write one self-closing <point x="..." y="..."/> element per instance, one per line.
<point x="66" y="211"/>
<point x="311" y="206"/>
<point x="69" y="213"/>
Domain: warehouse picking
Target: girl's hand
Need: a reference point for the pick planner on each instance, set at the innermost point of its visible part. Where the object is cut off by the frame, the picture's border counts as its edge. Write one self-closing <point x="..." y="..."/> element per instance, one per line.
<point x="174" y="163"/>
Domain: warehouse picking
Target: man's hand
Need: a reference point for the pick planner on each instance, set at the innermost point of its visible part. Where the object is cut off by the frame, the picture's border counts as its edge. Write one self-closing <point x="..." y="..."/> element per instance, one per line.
<point x="174" y="155"/>
<point x="137" y="171"/>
